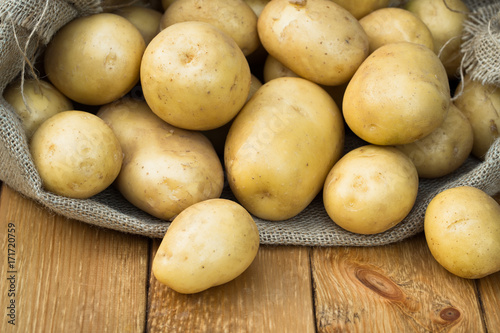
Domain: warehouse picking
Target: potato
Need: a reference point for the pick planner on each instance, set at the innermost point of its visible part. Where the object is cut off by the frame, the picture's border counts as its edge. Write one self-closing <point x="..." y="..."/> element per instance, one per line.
<point x="390" y="25"/>
<point x="445" y="20"/>
<point x="35" y="101"/>
<point x="462" y="231"/>
<point x="445" y="149"/>
<point x="234" y="17"/>
<point x="398" y="95"/>
<point x="317" y="39"/>
<point x="76" y="154"/>
<point x="361" y="8"/>
<point x="370" y="189"/>
<point x="480" y="104"/>
<point x="281" y="146"/>
<point x="208" y="244"/>
<point x="95" y="59"/>
<point x="274" y="69"/>
<point x="257" y="5"/>
<point x="194" y="76"/>
<point x="146" y="20"/>
<point x="165" y="169"/>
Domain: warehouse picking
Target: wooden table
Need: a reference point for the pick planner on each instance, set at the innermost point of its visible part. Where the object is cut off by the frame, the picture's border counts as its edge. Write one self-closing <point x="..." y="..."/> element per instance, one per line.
<point x="68" y="276"/>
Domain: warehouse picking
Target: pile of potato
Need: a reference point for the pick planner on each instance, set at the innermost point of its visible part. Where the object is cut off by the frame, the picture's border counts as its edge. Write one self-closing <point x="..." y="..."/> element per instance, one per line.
<point x="185" y="94"/>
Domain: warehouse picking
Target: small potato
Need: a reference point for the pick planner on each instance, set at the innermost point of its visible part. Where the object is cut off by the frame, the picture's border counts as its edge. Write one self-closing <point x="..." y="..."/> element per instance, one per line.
<point x="194" y="76"/>
<point x="390" y="25"/>
<point x="317" y="39"/>
<point x="361" y="8"/>
<point x="274" y="69"/>
<point x="281" y="146"/>
<point x="480" y="103"/>
<point x="399" y="94"/>
<point x="208" y="244"/>
<point x="370" y="189"/>
<point x="165" y="169"/>
<point x="257" y="5"/>
<point x="95" y="59"/>
<point x="462" y="231"/>
<point x="146" y="20"/>
<point x="234" y="17"/>
<point x="35" y="102"/>
<point x="76" y="154"/>
<point x="445" y="149"/>
<point x="445" y="20"/>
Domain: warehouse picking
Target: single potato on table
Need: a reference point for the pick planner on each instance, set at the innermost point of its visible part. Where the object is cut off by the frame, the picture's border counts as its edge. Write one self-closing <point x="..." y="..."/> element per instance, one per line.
<point x="281" y="146"/>
<point x="370" y="189"/>
<point x="194" y="76"/>
<point x="165" y="169"/>
<point x="317" y="39"/>
<point x="208" y="244"/>
<point x="76" y="154"/>
<point x="95" y="59"/>
<point x="399" y="94"/>
<point x="462" y="231"/>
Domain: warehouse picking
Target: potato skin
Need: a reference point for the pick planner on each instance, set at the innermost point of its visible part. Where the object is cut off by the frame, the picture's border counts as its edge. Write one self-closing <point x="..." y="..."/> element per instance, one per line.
<point x="370" y="189"/>
<point x="281" y="146"/>
<point x="146" y="20"/>
<point x="194" y="76"/>
<point x="76" y="154"/>
<point x="208" y="244"/>
<point x="462" y="231"/>
<point x="399" y="94"/>
<point x="165" y="169"/>
<point x="95" y="59"/>
<point x="317" y="39"/>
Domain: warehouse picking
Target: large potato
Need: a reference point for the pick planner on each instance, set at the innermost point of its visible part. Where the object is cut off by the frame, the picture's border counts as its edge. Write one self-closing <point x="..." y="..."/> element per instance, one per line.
<point x="35" y="101"/>
<point x="317" y="39"/>
<point x="165" y="169"/>
<point x="398" y="95"/>
<point x="462" y="230"/>
<point x="281" y="146"/>
<point x="95" y="59"/>
<point x="76" y="154"/>
<point x="208" y="244"/>
<point x="370" y="189"/>
<point x="480" y="103"/>
<point x="445" y="149"/>
<point x="445" y="20"/>
<point x="390" y="25"/>
<point x="194" y="76"/>
<point x="234" y="17"/>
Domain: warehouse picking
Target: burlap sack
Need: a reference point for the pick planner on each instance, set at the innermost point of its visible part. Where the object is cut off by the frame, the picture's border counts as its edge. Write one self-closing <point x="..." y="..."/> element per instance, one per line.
<point x="26" y="26"/>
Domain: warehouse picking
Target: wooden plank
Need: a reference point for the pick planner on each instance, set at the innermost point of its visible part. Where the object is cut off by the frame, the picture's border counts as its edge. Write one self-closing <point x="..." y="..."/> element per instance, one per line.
<point x="273" y="295"/>
<point x="394" y="288"/>
<point x="69" y="276"/>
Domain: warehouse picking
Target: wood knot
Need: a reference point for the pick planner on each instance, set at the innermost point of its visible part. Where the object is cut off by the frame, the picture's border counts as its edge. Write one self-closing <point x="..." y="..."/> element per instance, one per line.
<point x="379" y="284"/>
<point x="449" y="314"/>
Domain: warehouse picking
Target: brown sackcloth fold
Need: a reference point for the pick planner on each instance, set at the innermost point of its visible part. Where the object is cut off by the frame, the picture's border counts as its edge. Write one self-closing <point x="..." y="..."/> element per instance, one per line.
<point x="27" y="26"/>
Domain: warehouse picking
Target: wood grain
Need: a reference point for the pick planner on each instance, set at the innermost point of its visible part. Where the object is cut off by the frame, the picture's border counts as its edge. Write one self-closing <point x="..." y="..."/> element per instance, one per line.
<point x="69" y="276"/>
<point x="273" y="295"/>
<point x="394" y="288"/>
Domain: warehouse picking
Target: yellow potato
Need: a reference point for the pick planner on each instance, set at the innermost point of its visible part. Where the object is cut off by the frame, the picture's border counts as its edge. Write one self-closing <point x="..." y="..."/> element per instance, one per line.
<point x="445" y="20"/>
<point x="370" y="189"/>
<point x="281" y="146"/>
<point x="390" y="25"/>
<point x="398" y="95"/>
<point x="35" y="102"/>
<point x="317" y="39"/>
<point x="480" y="103"/>
<point x="194" y="76"/>
<point x="146" y="20"/>
<point x="234" y="17"/>
<point x="76" y="154"/>
<point x="208" y="244"/>
<point x="165" y="169"/>
<point x="462" y="230"/>
<point x="257" y="5"/>
<point x="361" y="8"/>
<point x="274" y="69"/>
<point x="445" y="149"/>
<point x="95" y="59"/>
